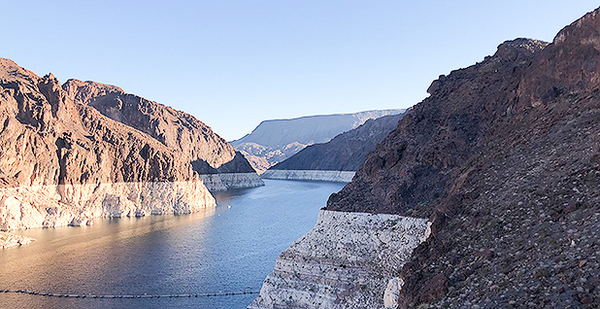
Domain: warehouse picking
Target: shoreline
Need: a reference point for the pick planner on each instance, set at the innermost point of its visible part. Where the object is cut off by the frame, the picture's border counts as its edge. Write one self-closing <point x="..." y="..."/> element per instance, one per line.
<point x="312" y="175"/>
<point x="8" y="240"/>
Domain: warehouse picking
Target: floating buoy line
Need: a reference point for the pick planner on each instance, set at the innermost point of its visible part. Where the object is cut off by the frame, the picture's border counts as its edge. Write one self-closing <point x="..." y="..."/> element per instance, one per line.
<point x="130" y="296"/>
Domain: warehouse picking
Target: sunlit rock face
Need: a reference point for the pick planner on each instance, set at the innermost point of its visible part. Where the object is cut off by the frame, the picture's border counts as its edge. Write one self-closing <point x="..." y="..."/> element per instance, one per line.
<point x="78" y="204"/>
<point x="346" y="261"/>
<point x="191" y="139"/>
<point x="314" y="175"/>
<point x="62" y="161"/>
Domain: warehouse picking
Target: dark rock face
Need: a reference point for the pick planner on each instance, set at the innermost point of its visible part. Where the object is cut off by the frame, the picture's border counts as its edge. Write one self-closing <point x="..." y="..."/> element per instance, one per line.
<point x="345" y="152"/>
<point x="503" y="158"/>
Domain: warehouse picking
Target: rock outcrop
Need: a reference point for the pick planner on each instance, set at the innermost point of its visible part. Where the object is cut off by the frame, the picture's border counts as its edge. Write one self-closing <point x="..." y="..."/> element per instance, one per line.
<point x="77" y="204"/>
<point x="193" y="141"/>
<point x="338" y="159"/>
<point x="346" y="261"/>
<point x="273" y="141"/>
<point x="8" y="240"/>
<point x="504" y="160"/>
<point x="63" y="162"/>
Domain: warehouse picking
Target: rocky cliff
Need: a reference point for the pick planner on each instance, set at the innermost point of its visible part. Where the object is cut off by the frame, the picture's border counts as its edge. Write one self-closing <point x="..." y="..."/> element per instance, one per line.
<point x="347" y="260"/>
<point x="345" y="152"/>
<point x="503" y="160"/>
<point x="275" y="140"/>
<point x="63" y="162"/>
<point x="195" y="142"/>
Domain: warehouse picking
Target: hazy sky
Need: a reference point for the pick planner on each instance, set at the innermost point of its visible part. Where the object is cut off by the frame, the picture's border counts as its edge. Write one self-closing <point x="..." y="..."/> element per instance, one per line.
<point x="233" y="64"/>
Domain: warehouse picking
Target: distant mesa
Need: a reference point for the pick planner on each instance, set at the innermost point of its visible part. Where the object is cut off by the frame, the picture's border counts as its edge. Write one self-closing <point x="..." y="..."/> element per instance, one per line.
<point x="72" y="152"/>
<point x="273" y="141"/>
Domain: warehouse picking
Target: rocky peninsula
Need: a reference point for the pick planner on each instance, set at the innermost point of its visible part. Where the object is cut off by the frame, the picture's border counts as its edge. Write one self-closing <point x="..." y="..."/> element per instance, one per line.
<point x="217" y="163"/>
<point x="8" y="240"/>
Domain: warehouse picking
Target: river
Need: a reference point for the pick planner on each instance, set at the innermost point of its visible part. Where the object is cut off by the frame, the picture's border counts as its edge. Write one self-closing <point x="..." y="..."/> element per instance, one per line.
<point x="230" y="248"/>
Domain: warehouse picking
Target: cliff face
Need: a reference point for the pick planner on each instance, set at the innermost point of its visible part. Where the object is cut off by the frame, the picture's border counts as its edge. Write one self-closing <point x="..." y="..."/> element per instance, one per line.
<point x="345" y="152"/>
<point x="311" y="175"/>
<point x="275" y="140"/>
<point x="48" y="139"/>
<point x="191" y="139"/>
<point x="63" y="162"/>
<point x="348" y="260"/>
<point x="503" y="158"/>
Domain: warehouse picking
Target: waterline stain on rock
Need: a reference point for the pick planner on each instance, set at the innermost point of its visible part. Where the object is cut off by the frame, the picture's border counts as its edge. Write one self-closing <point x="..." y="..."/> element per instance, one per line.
<point x="346" y="261"/>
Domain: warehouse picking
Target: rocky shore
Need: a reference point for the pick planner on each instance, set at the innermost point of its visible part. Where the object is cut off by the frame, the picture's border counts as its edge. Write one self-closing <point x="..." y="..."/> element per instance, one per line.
<point x="313" y="175"/>
<point x="73" y="152"/>
<point x="348" y="260"/>
<point x="503" y="159"/>
<point x="8" y="240"/>
<point x="77" y="204"/>
<point x="227" y="181"/>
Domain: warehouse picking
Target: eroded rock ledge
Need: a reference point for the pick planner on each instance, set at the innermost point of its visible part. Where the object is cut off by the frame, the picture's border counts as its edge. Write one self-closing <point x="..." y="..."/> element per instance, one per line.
<point x="8" y="240"/>
<point x="315" y="175"/>
<point x="77" y="204"/>
<point x="348" y="260"/>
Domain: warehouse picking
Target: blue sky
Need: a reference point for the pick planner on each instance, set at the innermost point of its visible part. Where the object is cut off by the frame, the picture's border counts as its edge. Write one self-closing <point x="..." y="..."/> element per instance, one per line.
<point x="233" y="64"/>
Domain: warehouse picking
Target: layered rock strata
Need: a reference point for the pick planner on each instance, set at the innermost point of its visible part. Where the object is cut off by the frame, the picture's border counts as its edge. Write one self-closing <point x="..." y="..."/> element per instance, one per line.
<point x="347" y="260"/>
<point x="228" y="181"/>
<point x="77" y="204"/>
<point x="312" y="175"/>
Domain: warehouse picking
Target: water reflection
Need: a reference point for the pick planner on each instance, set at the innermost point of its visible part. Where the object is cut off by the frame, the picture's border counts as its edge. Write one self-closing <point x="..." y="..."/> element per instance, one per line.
<point x="231" y="247"/>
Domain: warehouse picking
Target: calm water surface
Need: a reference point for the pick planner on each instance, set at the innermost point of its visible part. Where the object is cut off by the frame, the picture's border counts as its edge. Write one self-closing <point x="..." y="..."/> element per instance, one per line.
<point x="230" y="248"/>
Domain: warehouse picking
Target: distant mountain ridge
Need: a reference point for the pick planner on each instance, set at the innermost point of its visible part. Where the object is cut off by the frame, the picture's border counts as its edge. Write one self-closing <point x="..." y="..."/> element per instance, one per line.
<point x="273" y="141"/>
<point x="345" y="152"/>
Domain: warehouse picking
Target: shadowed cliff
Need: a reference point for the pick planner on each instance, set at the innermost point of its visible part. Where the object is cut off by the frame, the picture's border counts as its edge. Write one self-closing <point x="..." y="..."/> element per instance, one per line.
<point x="503" y="158"/>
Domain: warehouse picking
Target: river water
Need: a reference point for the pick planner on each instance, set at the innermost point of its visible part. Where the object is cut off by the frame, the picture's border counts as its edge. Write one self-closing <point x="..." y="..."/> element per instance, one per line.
<point x="230" y="248"/>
